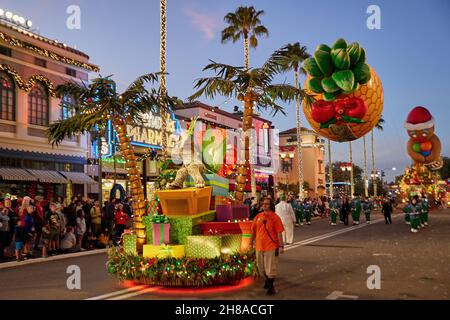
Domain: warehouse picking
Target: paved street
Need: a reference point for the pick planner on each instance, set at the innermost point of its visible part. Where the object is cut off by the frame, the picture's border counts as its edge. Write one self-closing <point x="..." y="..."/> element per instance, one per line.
<point x="324" y="263"/>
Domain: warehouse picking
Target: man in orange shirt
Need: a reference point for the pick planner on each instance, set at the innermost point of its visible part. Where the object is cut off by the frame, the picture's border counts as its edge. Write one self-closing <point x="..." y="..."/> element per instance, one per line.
<point x="267" y="229"/>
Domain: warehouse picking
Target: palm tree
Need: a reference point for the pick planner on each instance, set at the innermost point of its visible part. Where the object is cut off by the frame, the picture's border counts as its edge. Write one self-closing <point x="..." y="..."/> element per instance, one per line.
<point x="289" y="58"/>
<point x="98" y="103"/>
<point x="378" y="126"/>
<point x="352" y="183"/>
<point x="330" y="169"/>
<point x="162" y="70"/>
<point x="366" y="191"/>
<point x="245" y="22"/>
<point x="251" y="86"/>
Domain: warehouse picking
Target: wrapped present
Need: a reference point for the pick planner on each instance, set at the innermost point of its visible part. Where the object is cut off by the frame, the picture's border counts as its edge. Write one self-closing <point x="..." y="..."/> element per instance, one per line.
<point x="189" y="201"/>
<point x="163" y="251"/>
<point x="218" y="228"/>
<point x="224" y="213"/>
<point x="203" y="246"/>
<point x="240" y="211"/>
<point x="231" y="243"/>
<point x="130" y="243"/>
<point x="180" y="226"/>
<point x="220" y="185"/>
<point x="161" y="233"/>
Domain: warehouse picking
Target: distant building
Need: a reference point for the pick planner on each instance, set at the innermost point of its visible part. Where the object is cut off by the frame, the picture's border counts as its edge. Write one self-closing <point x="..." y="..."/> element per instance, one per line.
<point x="31" y="66"/>
<point x="313" y="155"/>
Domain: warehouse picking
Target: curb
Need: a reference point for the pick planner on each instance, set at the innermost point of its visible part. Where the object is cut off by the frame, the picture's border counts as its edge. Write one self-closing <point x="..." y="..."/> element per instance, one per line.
<point x="13" y="264"/>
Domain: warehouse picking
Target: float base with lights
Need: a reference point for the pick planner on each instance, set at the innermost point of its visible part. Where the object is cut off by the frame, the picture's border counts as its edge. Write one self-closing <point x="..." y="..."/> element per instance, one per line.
<point x="195" y="236"/>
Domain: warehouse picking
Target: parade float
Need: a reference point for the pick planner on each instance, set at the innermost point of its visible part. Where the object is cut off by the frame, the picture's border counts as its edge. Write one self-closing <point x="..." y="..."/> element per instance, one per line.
<point x="195" y="236"/>
<point x="424" y="149"/>
<point x="348" y="92"/>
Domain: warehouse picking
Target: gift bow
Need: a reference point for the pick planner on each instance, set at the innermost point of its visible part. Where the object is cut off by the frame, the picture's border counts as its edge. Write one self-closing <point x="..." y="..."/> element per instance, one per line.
<point x="166" y="251"/>
<point x="159" y="218"/>
<point x="348" y="110"/>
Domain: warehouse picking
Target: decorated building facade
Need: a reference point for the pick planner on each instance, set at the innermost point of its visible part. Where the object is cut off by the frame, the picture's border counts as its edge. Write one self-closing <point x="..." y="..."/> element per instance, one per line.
<point x="31" y="67"/>
<point x="313" y="160"/>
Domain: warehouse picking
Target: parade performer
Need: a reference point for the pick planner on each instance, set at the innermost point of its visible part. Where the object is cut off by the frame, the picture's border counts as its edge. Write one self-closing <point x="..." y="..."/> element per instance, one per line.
<point x="297" y="206"/>
<point x="308" y="208"/>
<point x="356" y="209"/>
<point x="412" y="210"/>
<point x="367" y="208"/>
<point x="424" y="212"/>
<point x="335" y="208"/>
<point x="287" y="216"/>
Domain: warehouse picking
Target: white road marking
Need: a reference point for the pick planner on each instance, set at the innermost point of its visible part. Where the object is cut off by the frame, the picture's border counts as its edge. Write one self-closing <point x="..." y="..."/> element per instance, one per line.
<point x="130" y="295"/>
<point x="382" y="254"/>
<point x="112" y="294"/>
<point x="339" y="294"/>
<point x="12" y="264"/>
<point x="329" y="235"/>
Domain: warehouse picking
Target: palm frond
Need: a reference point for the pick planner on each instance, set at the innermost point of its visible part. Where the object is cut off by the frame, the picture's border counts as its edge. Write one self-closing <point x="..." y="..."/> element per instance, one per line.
<point x="78" y="124"/>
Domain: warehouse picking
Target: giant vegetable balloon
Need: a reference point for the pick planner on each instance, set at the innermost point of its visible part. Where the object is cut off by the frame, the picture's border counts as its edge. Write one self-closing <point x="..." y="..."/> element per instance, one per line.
<point x="349" y="94"/>
<point x="423" y="145"/>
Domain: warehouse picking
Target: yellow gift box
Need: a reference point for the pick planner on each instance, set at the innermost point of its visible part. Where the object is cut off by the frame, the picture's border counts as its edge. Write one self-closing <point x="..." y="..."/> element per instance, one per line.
<point x="163" y="251"/>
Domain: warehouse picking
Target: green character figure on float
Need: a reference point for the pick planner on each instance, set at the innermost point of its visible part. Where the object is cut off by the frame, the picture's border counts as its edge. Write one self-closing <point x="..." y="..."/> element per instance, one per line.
<point x="367" y="208"/>
<point x="335" y="207"/>
<point x="356" y="208"/>
<point x="424" y="212"/>
<point x="308" y="207"/>
<point x="412" y="210"/>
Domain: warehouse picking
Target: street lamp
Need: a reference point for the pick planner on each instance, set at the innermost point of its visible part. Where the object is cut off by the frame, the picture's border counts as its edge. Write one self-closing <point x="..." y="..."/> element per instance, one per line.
<point x="346" y="166"/>
<point x="286" y="165"/>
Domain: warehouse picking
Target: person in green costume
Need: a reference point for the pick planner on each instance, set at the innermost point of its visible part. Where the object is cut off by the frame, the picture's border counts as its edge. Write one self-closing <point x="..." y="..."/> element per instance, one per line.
<point x="356" y="208"/>
<point x="367" y="208"/>
<point x="308" y="207"/>
<point x="424" y="212"/>
<point x="297" y="206"/>
<point x="412" y="209"/>
<point x="335" y="208"/>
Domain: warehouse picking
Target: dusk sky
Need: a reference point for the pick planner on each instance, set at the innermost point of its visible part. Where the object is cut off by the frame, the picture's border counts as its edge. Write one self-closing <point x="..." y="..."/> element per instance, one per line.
<point x="410" y="53"/>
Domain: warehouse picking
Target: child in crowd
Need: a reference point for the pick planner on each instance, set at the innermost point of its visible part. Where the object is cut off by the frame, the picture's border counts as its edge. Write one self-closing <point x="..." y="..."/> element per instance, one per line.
<point x="19" y="237"/>
<point x="46" y="232"/>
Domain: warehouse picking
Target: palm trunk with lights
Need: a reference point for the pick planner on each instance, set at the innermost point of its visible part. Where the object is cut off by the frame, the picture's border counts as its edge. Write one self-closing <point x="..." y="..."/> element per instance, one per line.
<point x="366" y="190"/>
<point x="352" y="185"/>
<point x="162" y="61"/>
<point x="374" y="179"/>
<point x="134" y="174"/>
<point x="241" y="179"/>
<point x="330" y="169"/>
<point x="299" y="139"/>
<point x="251" y="140"/>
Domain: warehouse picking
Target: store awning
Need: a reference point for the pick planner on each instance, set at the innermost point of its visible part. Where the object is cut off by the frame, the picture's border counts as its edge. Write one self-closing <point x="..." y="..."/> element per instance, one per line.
<point x="48" y="176"/>
<point x="16" y="174"/>
<point x="78" y="177"/>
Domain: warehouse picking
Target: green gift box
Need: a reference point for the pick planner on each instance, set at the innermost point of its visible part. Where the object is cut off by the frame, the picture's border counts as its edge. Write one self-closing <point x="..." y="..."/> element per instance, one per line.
<point x="130" y="243"/>
<point x="201" y="246"/>
<point x="231" y="243"/>
<point x="220" y="184"/>
<point x="181" y="226"/>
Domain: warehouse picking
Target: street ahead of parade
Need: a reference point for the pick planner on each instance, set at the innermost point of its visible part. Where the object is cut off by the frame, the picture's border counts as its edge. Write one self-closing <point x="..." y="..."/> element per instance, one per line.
<point x="325" y="262"/>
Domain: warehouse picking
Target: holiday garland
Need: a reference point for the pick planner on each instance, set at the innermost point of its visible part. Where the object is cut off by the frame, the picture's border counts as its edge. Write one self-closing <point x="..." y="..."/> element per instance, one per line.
<point x="169" y="271"/>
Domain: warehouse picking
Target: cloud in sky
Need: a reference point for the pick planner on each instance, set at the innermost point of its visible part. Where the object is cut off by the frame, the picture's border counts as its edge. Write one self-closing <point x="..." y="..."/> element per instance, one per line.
<point x="206" y="24"/>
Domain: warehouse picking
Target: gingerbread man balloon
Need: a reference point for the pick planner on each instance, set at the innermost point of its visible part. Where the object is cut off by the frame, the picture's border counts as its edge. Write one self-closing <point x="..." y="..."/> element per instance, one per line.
<point x="423" y="145"/>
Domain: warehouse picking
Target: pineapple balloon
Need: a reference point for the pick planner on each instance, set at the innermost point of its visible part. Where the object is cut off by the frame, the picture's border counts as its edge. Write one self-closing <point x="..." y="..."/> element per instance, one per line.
<point x="348" y="92"/>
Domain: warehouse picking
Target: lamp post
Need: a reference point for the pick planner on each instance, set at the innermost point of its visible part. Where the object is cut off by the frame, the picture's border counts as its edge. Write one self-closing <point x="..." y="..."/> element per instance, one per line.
<point x="286" y="165"/>
<point x="379" y="174"/>
<point x="346" y="166"/>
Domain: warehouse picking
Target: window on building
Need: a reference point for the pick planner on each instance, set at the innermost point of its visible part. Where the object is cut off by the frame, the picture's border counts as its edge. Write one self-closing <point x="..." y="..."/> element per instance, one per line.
<point x="38" y="106"/>
<point x="40" y="62"/>
<point x="67" y="103"/>
<point x="7" y="97"/>
<point x="320" y="166"/>
<point x="71" y="72"/>
<point x="5" y="51"/>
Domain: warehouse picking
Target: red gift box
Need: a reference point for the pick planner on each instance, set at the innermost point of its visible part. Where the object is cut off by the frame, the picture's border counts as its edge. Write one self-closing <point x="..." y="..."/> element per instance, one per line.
<point x="224" y="213"/>
<point x="211" y="228"/>
<point x="240" y="211"/>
